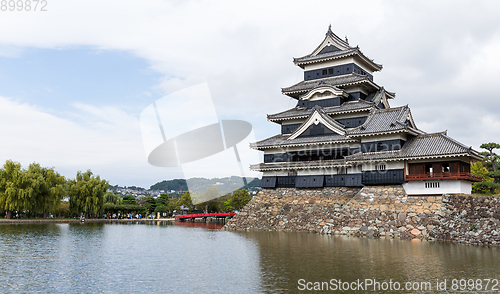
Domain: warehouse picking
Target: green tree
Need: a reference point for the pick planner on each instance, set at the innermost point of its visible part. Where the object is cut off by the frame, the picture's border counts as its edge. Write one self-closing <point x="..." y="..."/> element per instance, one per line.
<point x="185" y="200"/>
<point x="129" y="200"/>
<point x="477" y="168"/>
<point x="150" y="204"/>
<point x="239" y="199"/>
<point x="111" y="197"/>
<point x="491" y="164"/>
<point x="35" y="190"/>
<point x="164" y="204"/>
<point x="16" y="193"/>
<point x="227" y="206"/>
<point x="491" y="156"/>
<point x="49" y="188"/>
<point x="86" y="193"/>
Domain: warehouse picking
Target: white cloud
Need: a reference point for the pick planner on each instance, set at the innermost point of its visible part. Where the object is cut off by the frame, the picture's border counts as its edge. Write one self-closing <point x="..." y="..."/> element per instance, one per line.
<point x="440" y="57"/>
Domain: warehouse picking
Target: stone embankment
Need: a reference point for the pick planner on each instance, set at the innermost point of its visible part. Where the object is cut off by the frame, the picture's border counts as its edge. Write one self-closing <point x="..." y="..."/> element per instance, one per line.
<point x="378" y="211"/>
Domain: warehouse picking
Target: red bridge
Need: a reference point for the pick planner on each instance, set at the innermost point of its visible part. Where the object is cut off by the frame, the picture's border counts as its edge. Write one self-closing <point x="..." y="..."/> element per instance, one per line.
<point x="205" y="215"/>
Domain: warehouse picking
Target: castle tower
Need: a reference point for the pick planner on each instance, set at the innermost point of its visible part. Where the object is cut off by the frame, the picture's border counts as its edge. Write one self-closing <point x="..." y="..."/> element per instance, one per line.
<point x="344" y="133"/>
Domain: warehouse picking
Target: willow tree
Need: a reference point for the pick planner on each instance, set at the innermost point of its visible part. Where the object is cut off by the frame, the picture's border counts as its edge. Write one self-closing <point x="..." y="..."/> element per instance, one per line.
<point x="35" y="190"/>
<point x="48" y="187"/>
<point x="16" y="193"/>
<point x="86" y="193"/>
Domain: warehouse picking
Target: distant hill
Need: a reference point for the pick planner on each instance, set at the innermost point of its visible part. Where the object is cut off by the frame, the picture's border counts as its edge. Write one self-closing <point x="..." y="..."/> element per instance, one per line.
<point x="177" y="185"/>
<point x="198" y="185"/>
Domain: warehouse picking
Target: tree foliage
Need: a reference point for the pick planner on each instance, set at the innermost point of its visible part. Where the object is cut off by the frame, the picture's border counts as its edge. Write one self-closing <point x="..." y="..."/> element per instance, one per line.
<point x="112" y="198"/>
<point x="86" y="193"/>
<point x="185" y="200"/>
<point x="477" y="168"/>
<point x="239" y="199"/>
<point x="149" y="204"/>
<point x="491" y="163"/>
<point x="129" y="200"/>
<point x="35" y="190"/>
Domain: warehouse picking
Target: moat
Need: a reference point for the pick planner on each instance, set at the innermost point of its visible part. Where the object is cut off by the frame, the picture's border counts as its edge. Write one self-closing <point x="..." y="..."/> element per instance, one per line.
<point x="186" y="258"/>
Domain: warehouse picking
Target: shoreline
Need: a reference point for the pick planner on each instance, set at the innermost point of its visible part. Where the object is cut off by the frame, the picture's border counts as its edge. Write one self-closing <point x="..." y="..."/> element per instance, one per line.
<point x="72" y="220"/>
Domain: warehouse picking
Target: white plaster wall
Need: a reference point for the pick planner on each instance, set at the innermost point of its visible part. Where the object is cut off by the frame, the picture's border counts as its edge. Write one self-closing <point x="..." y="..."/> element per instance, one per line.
<point x="280" y="173"/>
<point x="367" y="166"/>
<point x="445" y="186"/>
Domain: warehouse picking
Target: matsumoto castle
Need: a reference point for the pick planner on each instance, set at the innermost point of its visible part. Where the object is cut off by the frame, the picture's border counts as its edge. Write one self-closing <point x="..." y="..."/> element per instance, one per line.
<point x="344" y="133"/>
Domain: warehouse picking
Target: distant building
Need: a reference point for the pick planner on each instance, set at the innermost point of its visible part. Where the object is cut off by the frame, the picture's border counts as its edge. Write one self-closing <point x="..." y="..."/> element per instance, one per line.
<point x="344" y="133"/>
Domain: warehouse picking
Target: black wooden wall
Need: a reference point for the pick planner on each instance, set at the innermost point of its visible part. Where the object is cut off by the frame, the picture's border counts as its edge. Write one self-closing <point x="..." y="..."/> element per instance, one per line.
<point x="335" y="71"/>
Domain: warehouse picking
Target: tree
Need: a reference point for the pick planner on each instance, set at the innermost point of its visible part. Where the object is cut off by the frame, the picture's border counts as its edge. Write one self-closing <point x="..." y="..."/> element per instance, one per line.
<point x="239" y="199"/>
<point x="163" y="203"/>
<point x="185" y="200"/>
<point x="150" y="203"/>
<point x="86" y="193"/>
<point x="111" y="197"/>
<point x="16" y="193"/>
<point x="207" y="201"/>
<point x="36" y="190"/>
<point x="129" y="200"/>
<point x="491" y="164"/>
<point x="49" y="188"/>
<point x="477" y="168"/>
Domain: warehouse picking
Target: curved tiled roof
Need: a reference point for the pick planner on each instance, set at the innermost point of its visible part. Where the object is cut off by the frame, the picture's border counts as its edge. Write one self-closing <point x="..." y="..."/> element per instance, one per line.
<point x="299" y="112"/>
<point x="335" y="55"/>
<point x="425" y="145"/>
<point x="281" y="141"/>
<point x="323" y="55"/>
<point x="304" y="86"/>
<point x="383" y="120"/>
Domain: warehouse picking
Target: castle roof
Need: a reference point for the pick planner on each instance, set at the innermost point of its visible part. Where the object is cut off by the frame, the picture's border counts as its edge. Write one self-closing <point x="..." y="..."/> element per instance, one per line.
<point x="344" y="80"/>
<point x="332" y="48"/>
<point x="283" y="141"/>
<point x="390" y="120"/>
<point x="301" y="112"/>
<point x="422" y="146"/>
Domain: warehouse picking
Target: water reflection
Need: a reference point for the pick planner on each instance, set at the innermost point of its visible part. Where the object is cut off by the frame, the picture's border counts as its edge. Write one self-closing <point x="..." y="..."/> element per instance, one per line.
<point x="199" y="257"/>
<point x="287" y="257"/>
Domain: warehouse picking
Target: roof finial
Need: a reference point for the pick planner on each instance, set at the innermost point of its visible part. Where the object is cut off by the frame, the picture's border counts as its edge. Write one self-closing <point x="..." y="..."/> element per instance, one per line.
<point x="347" y="41"/>
<point x="330" y="27"/>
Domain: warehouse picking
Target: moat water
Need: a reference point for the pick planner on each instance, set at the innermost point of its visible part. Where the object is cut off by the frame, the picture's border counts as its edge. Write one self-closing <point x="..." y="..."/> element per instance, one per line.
<point x="168" y="257"/>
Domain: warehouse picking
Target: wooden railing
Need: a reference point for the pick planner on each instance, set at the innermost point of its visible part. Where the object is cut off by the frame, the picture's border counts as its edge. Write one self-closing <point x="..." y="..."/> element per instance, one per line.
<point x="444" y="176"/>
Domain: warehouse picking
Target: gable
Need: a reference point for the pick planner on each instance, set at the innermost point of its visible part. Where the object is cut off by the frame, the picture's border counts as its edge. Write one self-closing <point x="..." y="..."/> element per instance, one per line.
<point x="317" y="130"/>
<point x="310" y="126"/>
<point x="328" y="49"/>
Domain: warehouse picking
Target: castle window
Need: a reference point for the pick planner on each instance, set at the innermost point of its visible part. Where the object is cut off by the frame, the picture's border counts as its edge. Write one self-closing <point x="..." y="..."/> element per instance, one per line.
<point x="431" y="185"/>
<point x="324" y="72"/>
<point x="380" y="167"/>
<point x="330" y="71"/>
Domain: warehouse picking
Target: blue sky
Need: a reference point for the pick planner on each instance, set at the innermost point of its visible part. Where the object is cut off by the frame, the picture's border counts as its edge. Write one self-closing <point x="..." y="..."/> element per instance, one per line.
<point x="75" y="79"/>
<point x="57" y="78"/>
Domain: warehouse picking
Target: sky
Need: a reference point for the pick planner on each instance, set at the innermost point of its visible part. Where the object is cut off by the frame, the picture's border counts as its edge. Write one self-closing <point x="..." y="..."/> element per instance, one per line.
<point x="75" y="79"/>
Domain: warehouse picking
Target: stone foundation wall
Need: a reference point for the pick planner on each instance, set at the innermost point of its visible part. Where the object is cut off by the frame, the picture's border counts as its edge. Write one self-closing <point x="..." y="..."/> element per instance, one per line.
<point x="379" y="211"/>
